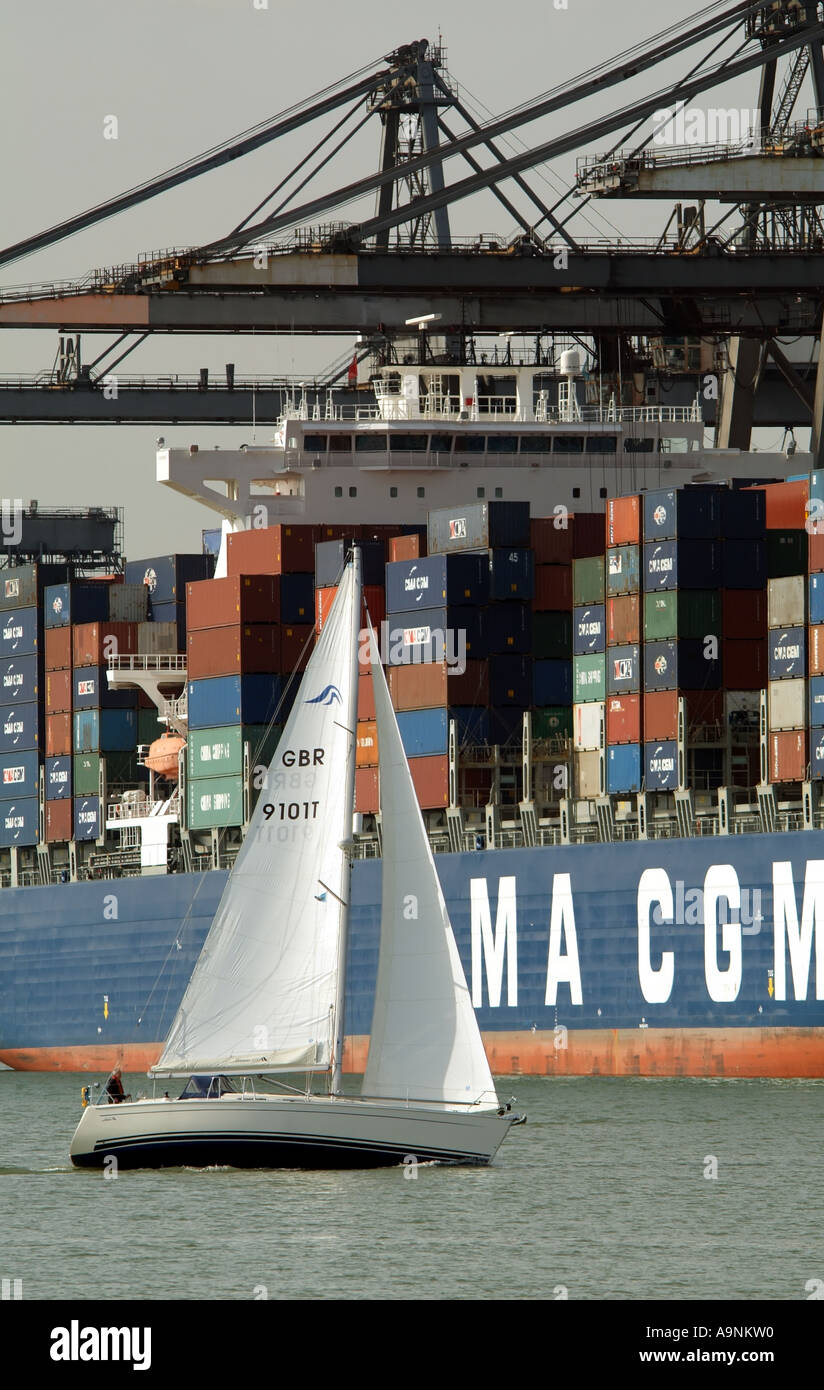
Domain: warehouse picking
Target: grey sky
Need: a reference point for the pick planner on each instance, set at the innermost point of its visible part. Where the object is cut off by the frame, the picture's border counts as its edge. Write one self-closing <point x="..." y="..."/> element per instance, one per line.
<point x="182" y="75"/>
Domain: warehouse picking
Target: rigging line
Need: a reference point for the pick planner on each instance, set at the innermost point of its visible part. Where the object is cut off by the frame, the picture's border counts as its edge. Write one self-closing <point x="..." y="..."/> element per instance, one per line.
<point x="178" y="935"/>
<point x="323" y="163"/>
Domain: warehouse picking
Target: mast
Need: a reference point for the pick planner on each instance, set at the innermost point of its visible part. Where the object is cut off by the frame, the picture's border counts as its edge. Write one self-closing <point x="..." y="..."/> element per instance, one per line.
<point x="343" y="935"/>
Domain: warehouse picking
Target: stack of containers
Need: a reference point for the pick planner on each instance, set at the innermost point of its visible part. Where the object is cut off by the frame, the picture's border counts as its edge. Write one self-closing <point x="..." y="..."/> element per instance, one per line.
<point x="788" y="591"/>
<point x="556" y="547"/>
<point x="85" y="602"/>
<point x="165" y="578"/>
<point x="815" y="630"/>
<point x="743" y="625"/>
<point x="622" y="624"/>
<point x="589" y="671"/>
<point x="103" y="721"/>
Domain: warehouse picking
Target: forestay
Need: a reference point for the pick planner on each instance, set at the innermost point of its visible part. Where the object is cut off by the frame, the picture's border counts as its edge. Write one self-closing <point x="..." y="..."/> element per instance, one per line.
<point x="264" y="991"/>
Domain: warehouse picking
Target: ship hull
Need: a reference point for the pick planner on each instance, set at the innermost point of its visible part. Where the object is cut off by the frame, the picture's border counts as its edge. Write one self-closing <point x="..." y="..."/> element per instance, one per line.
<point x="575" y="968"/>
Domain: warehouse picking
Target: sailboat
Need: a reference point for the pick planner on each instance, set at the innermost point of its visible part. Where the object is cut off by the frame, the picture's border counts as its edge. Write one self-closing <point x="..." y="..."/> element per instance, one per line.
<point x="266" y="997"/>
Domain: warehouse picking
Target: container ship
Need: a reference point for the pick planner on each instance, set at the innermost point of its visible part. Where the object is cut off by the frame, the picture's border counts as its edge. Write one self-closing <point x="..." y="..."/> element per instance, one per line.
<point x="605" y="646"/>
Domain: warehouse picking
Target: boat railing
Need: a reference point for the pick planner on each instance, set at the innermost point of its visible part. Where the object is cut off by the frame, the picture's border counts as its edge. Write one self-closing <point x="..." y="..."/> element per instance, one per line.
<point x="149" y="661"/>
<point x="489" y="409"/>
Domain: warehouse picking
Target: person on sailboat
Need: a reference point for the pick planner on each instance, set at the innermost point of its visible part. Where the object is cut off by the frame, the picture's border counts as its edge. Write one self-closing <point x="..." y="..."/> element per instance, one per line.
<point x="114" y="1087"/>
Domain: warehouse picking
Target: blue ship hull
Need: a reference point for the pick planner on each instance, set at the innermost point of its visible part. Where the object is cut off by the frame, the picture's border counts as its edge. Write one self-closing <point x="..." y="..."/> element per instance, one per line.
<point x="587" y="959"/>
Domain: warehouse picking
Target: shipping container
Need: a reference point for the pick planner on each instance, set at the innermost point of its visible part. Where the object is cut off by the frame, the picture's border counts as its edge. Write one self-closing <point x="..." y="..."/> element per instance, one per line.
<point x="552" y="636"/>
<point x="744" y="613"/>
<point x="589" y="679"/>
<point x="19" y="680"/>
<point x="624" y="669"/>
<point x="682" y="613"/>
<point x="787" y="601"/>
<point x="623" y="520"/>
<point x="816" y="596"/>
<point x="553" y="587"/>
<point x="437" y="634"/>
<point x="296" y="643"/>
<point x="744" y="664"/>
<point x="90" y="690"/>
<point x="686" y="662"/>
<point x="59" y="821"/>
<point x="216" y="801"/>
<point x="21" y="726"/>
<point x="817" y="702"/>
<point x="297" y="597"/>
<point x="153" y="639"/>
<point x="59" y="691"/>
<point x="682" y="564"/>
<point x="251" y="649"/>
<point x="506" y="725"/>
<point x="20" y="819"/>
<point x="786" y="553"/>
<point x="689" y="513"/>
<point x="623" y="615"/>
<point x="104" y="730"/>
<point x="787" y="757"/>
<point x="19" y="773"/>
<point x="330" y="557"/>
<point x="743" y="514"/>
<point x="661" y="714"/>
<point x="86" y="774"/>
<point x="508" y="628"/>
<point x="424" y="733"/>
<point x="587" y="537"/>
<point x="787" y="704"/>
<point x="58" y="735"/>
<point x="220" y="752"/>
<point x="786" y="504"/>
<point x="404" y="548"/>
<point x="94" y="643"/>
<point x="815" y="547"/>
<point x="786" y="653"/>
<point x="430" y="778"/>
<point x="588" y="580"/>
<point x="551" y="539"/>
<point x="589" y="629"/>
<point x="57" y="642"/>
<point x="589" y="773"/>
<point x="79" y="603"/>
<point x="87" y="818"/>
<point x="149" y="726"/>
<point x="19" y="633"/>
<point x="437" y="581"/>
<point x="473" y="727"/>
<point x="661" y="766"/>
<point x="815" y="642"/>
<point x="510" y="681"/>
<point x="128" y="603"/>
<point x="165" y="576"/>
<point x="23" y="586"/>
<point x="478" y="526"/>
<point x="744" y="564"/>
<point x="246" y="598"/>
<point x="366" y="743"/>
<point x="588" y="727"/>
<point x="817" y="754"/>
<point x="623" y="570"/>
<point x="171" y="615"/>
<point x="281" y="549"/>
<point x="623" y="718"/>
<point x="367" y="799"/>
<point x="512" y="575"/>
<point x="235" y="700"/>
<point x="556" y="722"/>
<point x="430" y="685"/>
<point x="59" y="778"/>
<point x="623" y="768"/>
<point x="551" y="683"/>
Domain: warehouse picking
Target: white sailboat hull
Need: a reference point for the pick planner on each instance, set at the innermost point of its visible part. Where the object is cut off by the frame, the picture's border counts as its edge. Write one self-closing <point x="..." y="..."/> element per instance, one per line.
<point x="284" y="1132"/>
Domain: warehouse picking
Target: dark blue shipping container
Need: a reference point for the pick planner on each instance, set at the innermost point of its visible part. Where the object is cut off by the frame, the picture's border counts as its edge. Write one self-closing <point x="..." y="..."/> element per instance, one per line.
<point x="661" y="766"/>
<point x="817" y="702"/>
<point x="589" y="629"/>
<point x="438" y="580"/>
<point x="680" y="664"/>
<point x="508" y="628"/>
<point x="105" y="730"/>
<point x="551" y="683"/>
<point x="624" y="768"/>
<point x="19" y="774"/>
<point x="511" y="575"/>
<point x="297" y="597"/>
<point x="90" y="690"/>
<point x="744" y="563"/>
<point x="235" y="700"/>
<point x="817" y="598"/>
<point x="20" y="821"/>
<point x="170" y="613"/>
<point x="330" y="557"/>
<point x="743" y="514"/>
<point x="787" y="650"/>
<point x="75" y="603"/>
<point x="19" y="628"/>
<point x="624" y="670"/>
<point x="505" y="725"/>
<point x="166" y="576"/>
<point x="623" y="570"/>
<point x="817" y="753"/>
<point x="688" y="513"/>
<point x="21" y="726"/>
<point x="472" y="724"/>
<point x="682" y="564"/>
<point x="510" y="681"/>
<point x="19" y="680"/>
<point x="87" y="817"/>
<point x="58" y="779"/>
<point x="436" y="634"/>
<point x="424" y="732"/>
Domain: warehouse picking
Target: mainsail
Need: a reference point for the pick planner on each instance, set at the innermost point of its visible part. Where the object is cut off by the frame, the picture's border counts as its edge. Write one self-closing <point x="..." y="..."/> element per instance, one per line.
<point x="265" y="992"/>
<point x="425" y="1043"/>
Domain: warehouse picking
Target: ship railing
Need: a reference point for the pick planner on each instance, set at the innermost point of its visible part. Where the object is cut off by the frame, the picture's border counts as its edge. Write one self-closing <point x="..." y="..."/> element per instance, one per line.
<point x="149" y="661"/>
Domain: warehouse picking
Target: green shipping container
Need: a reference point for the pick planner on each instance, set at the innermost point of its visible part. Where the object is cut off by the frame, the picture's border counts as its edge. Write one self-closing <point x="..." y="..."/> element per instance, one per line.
<point x="214" y="801"/>
<point x="786" y="553"/>
<point x="682" y="613"/>
<point x="589" y="678"/>
<point x="588" y="580"/>
<point x="148" y="726"/>
<point x="552" y="636"/>
<point x="86" y="774"/>
<point x="219" y="752"/>
<point x="554" y="721"/>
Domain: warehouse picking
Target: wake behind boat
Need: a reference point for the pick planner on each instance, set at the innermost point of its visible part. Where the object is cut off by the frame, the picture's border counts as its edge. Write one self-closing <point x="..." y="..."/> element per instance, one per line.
<point x="266" y="996"/>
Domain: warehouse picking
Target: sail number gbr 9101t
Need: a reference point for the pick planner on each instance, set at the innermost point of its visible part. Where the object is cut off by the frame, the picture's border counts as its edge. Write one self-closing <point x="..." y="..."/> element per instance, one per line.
<point x="296" y="810"/>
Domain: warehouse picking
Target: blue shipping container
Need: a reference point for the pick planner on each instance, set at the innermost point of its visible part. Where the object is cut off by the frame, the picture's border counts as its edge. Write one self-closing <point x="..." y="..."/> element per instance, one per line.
<point x="551" y="683"/>
<point x="743" y="514"/>
<point x="686" y="513"/>
<point x="682" y="564"/>
<point x="75" y="603"/>
<point x="58" y="779"/>
<point x="505" y="725"/>
<point x="680" y="664"/>
<point x="166" y="576"/>
<point x="19" y="632"/>
<point x="438" y="580"/>
<point x="624" y="768"/>
<point x="20" y="821"/>
<point x="472" y="724"/>
<point x="744" y="563"/>
<point x="90" y="690"/>
<point x="511" y="574"/>
<point x="508" y="628"/>
<point x="787" y="650"/>
<point x="234" y="700"/>
<point x="624" y="670"/>
<point x="18" y="680"/>
<point x="424" y="732"/>
<point x="817" y="751"/>
<point x="623" y="569"/>
<point x="87" y="817"/>
<point x="817" y="597"/>
<point x="589" y="629"/>
<point x="105" y="730"/>
<point x="436" y="634"/>
<point x="19" y="774"/>
<point x="21" y="726"/>
<point x="661" y="766"/>
<point x="817" y="702"/>
<point x="297" y="597"/>
<point x="510" y="681"/>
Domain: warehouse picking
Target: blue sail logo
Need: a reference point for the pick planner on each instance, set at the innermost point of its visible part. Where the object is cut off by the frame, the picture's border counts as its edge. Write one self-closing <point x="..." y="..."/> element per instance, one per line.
<point x="328" y="696"/>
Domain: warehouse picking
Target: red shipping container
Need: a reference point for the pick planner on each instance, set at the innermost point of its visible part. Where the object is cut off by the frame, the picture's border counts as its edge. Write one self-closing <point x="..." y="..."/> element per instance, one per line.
<point x="58" y="735"/>
<point x="295" y="646"/>
<point x="366" y="696"/>
<point x="703" y="707"/>
<point x="788" y="756"/>
<point x="623" y="622"/>
<point x="551" y="540"/>
<point x="93" y="643"/>
<point x="242" y="598"/>
<point x="337" y="532"/>
<point x="366" y="749"/>
<point x="786" y="505"/>
<point x="743" y="613"/>
<point x="433" y="685"/>
<point x="374" y="602"/>
<point x="623" y="521"/>
<point x="58" y="648"/>
<point x="431" y="779"/>
<point x="553" y="589"/>
<point x="367" y="798"/>
<point x="660" y="715"/>
<point x="59" y="820"/>
<point x="587" y="535"/>
<point x="624" y="719"/>
<point x="815" y="547"/>
<point x="744" y="664"/>
<point x="815" y="644"/>
<point x="281" y="549"/>
<point x="58" y="692"/>
<point x="232" y="651"/>
<point x="405" y="547"/>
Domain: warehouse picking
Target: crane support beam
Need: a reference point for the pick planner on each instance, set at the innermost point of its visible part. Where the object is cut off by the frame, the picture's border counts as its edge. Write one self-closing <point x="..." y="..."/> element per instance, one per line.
<point x="735" y="417"/>
<point x="737" y="179"/>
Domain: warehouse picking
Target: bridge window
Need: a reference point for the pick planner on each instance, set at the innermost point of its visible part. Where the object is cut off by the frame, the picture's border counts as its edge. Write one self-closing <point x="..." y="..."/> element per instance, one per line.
<point x="502" y="444"/>
<point x="602" y="444"/>
<point x="409" y="443"/>
<point x="393" y="492"/>
<point x="315" y="443"/>
<point x="499" y="492"/>
<point x="338" y="491"/>
<point x="639" y="446"/>
<point x="421" y="491"/>
<point x="470" y="443"/>
<point x="576" y="492"/>
<point x="536" y="443"/>
<point x="340" y="443"/>
<point x="441" y="443"/>
<point x="353" y="492"/>
<point x="480" y="492"/>
<point x="568" y="444"/>
<point x="370" y="444"/>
